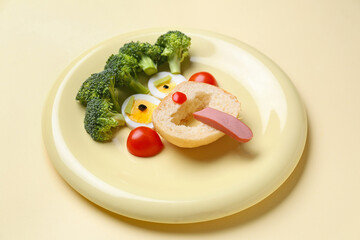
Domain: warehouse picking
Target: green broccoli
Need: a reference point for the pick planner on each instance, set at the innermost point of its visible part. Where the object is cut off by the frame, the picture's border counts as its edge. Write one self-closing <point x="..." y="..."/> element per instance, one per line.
<point x="146" y="54"/>
<point x="126" y="67"/>
<point x="99" y="85"/>
<point x="100" y="119"/>
<point x="175" y="46"/>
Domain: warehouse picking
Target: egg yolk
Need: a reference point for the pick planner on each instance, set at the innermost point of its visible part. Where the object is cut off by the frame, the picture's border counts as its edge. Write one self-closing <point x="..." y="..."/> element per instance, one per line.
<point x="166" y="87"/>
<point x="142" y="114"/>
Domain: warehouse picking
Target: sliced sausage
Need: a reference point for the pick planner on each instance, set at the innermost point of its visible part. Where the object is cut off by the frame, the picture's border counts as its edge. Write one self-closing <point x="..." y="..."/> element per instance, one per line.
<point x="225" y="123"/>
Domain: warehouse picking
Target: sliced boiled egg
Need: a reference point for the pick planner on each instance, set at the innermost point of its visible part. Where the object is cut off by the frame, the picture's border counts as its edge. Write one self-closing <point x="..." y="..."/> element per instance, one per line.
<point x="138" y="109"/>
<point x="162" y="83"/>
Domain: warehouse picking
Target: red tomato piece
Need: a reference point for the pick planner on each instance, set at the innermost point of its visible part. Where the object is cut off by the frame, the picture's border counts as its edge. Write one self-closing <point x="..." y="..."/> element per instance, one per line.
<point x="179" y="97"/>
<point x="204" y="77"/>
<point x="144" y="142"/>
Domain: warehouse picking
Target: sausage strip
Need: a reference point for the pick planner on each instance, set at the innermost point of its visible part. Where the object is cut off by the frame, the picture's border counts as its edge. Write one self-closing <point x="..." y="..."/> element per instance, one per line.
<point x="225" y="123"/>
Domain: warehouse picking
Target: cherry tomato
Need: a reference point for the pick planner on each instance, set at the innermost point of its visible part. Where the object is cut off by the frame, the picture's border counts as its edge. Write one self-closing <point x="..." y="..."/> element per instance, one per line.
<point x="179" y="97"/>
<point x="144" y="142"/>
<point x="203" y="77"/>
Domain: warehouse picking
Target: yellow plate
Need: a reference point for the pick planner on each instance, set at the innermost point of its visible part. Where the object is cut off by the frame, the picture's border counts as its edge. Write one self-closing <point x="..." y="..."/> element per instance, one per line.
<point x="182" y="185"/>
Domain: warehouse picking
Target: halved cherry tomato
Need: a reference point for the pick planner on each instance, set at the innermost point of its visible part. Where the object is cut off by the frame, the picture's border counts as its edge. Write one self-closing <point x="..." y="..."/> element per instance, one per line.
<point x="144" y="142"/>
<point x="204" y="77"/>
<point x="179" y="97"/>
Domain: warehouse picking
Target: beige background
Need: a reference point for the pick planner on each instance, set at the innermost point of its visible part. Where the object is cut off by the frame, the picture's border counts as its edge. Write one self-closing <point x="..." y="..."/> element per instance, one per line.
<point x="315" y="42"/>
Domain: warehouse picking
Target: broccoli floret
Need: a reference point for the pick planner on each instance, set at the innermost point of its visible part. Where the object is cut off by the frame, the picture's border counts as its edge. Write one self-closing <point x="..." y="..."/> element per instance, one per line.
<point x="175" y="46"/>
<point x="99" y="85"/>
<point x="117" y="61"/>
<point x="146" y="54"/>
<point x="125" y="67"/>
<point x="100" y="119"/>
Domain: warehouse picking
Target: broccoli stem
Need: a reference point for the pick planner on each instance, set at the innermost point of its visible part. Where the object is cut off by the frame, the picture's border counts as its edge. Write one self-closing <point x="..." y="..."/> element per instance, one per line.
<point x="148" y="65"/>
<point x="115" y="99"/>
<point x="174" y="64"/>
<point x="138" y="87"/>
<point x="120" y="118"/>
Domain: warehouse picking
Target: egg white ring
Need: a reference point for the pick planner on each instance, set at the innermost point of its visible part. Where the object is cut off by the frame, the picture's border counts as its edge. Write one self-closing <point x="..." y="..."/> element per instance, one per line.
<point x="130" y="123"/>
<point x="175" y="78"/>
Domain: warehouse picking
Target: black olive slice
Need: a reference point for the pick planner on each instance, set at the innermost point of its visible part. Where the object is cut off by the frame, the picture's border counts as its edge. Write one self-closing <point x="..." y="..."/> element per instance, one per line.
<point x="142" y="107"/>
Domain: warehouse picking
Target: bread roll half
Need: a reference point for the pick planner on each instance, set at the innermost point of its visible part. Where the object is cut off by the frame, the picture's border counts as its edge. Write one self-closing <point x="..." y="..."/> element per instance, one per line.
<point x="175" y="122"/>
